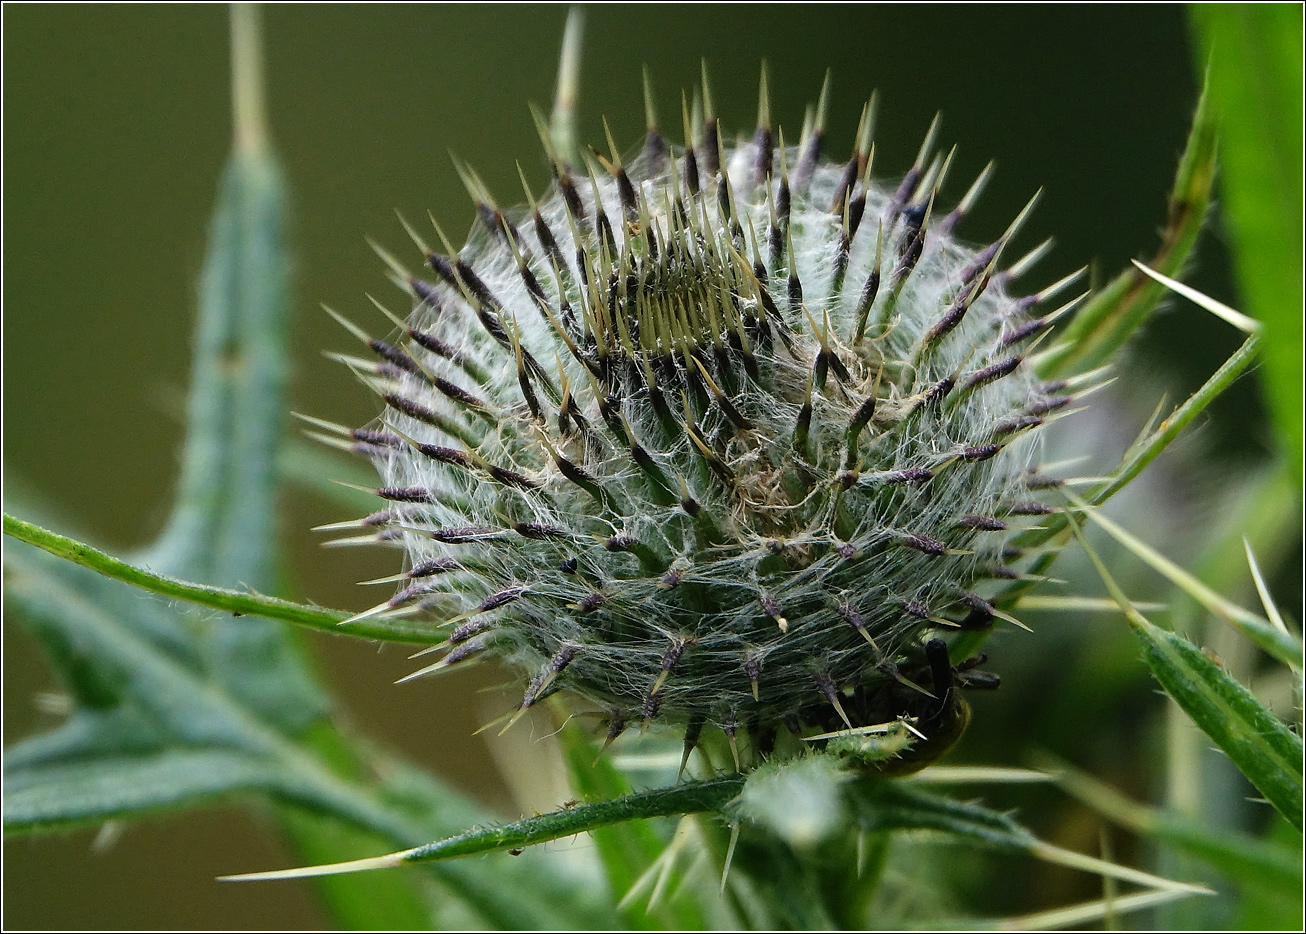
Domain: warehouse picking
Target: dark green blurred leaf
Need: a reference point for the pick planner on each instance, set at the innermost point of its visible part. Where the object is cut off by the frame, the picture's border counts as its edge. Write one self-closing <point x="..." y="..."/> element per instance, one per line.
<point x="1243" y="858"/>
<point x="166" y="707"/>
<point x="1269" y="909"/>
<point x="1254" y="53"/>
<point x="625" y="849"/>
<point x="161" y="701"/>
<point x="1247" y="860"/>
<point x="894" y="805"/>
<point x="91" y="791"/>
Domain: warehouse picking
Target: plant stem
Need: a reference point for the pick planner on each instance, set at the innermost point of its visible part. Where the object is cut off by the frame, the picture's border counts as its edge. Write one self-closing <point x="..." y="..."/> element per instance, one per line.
<point x="219" y="598"/>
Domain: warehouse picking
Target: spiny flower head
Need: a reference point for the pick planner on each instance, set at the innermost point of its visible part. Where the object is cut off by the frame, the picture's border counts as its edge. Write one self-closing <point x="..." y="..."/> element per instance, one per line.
<point x="724" y="436"/>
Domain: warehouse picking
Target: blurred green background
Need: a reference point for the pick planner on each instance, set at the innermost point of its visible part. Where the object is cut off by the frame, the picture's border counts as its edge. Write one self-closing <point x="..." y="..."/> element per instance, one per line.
<point x="116" y="125"/>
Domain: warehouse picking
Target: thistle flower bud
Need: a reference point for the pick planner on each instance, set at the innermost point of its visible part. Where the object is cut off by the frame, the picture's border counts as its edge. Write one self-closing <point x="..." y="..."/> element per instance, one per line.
<point x="722" y="436"/>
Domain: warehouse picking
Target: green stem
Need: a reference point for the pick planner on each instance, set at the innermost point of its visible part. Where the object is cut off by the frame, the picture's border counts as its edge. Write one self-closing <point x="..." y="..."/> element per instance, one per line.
<point x="219" y="598"/>
<point x="682" y="799"/>
<point x="1134" y="461"/>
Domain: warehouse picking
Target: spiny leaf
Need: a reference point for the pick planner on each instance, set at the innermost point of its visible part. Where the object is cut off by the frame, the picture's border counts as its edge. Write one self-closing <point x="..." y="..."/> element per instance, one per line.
<point x="1256" y="741"/>
<point x="1262" y="747"/>
<point x="184" y="707"/>
<point x="893" y="805"/>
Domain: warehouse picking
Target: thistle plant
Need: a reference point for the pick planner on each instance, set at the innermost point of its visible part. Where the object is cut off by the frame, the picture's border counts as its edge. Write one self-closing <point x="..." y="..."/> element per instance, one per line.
<point x="785" y="423"/>
<point x="724" y="441"/>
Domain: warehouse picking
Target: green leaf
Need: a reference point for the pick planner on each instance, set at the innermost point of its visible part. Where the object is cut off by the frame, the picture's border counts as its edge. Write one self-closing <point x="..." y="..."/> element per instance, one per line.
<point x="1262" y="747"/>
<point x="181" y="706"/>
<point x="168" y="705"/>
<point x="1243" y="858"/>
<point x="89" y="734"/>
<point x="896" y="805"/>
<point x="1150" y="446"/>
<point x="61" y="796"/>
<point x="1263" y="909"/>
<point x="1257" y="742"/>
<point x="1254" y="55"/>
<point x="787" y="888"/>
